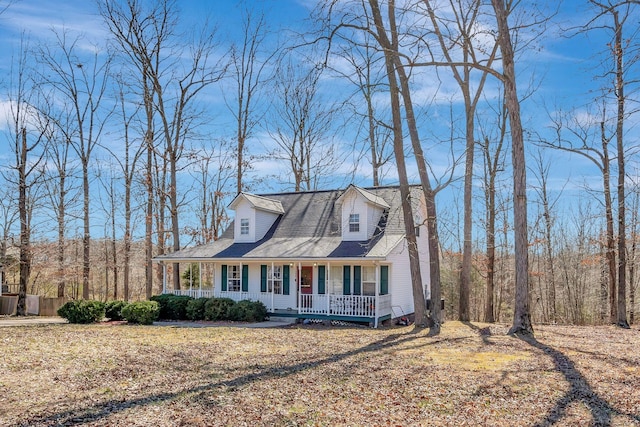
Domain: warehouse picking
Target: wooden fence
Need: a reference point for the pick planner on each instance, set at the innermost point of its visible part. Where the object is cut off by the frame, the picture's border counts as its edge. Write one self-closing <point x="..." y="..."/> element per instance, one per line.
<point x="36" y="305"/>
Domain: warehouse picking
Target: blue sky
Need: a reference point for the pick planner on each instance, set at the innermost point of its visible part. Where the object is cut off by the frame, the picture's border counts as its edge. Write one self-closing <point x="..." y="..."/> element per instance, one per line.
<point x="560" y="67"/>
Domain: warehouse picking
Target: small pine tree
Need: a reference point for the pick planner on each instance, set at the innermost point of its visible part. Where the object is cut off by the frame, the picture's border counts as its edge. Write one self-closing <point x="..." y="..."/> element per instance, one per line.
<point x="191" y="275"/>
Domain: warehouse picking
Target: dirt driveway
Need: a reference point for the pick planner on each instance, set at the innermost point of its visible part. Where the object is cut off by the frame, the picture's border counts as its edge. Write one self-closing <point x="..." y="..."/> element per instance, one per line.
<point x="29" y="320"/>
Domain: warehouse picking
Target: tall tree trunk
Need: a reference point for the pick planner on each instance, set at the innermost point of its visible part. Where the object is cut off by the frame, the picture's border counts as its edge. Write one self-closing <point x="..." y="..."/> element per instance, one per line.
<point x="610" y="233"/>
<point x="114" y="250"/>
<point x="148" y="236"/>
<point x="622" y="229"/>
<point x="175" y="228"/>
<point x="490" y="196"/>
<point x="398" y="149"/>
<point x="25" y="245"/>
<point x="465" y="270"/>
<point x="522" y="316"/>
<point x="86" y="236"/>
<point x="61" y="236"/>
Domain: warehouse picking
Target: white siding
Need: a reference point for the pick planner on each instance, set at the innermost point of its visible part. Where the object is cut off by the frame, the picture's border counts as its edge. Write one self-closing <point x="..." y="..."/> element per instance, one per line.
<point x="423" y="247"/>
<point x="354" y="203"/>
<point x="400" y="281"/>
<point x="400" y="275"/>
<point x="259" y="222"/>
<point x="244" y="210"/>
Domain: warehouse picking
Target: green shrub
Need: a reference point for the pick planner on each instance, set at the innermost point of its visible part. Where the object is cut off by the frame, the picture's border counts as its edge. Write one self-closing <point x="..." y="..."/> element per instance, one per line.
<point x="217" y="308"/>
<point x="82" y="311"/>
<point x="248" y="311"/>
<point x="195" y="308"/>
<point x="142" y="312"/>
<point x="172" y="307"/>
<point x="113" y="309"/>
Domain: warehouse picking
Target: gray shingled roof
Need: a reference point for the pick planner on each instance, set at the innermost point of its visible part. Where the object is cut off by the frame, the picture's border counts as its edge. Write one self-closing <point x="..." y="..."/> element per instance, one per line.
<point x="371" y="197"/>
<point x="262" y="203"/>
<point x="309" y="228"/>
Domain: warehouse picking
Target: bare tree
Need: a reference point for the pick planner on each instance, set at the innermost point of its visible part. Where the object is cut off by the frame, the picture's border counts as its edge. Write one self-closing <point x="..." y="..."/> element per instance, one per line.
<point x="213" y="170"/>
<point x="82" y="82"/>
<point x="493" y="160"/>
<point x="522" y="315"/>
<point x="8" y="217"/>
<point x="248" y="66"/>
<point x="172" y="74"/>
<point x="385" y="31"/>
<point x="590" y="138"/>
<point x="541" y="170"/>
<point x="388" y="47"/>
<point x="633" y="251"/>
<point x="619" y="12"/>
<point x="301" y="127"/>
<point x="364" y="60"/>
<point x="60" y="183"/>
<point x="458" y="37"/>
<point x="28" y="128"/>
<point x="127" y="162"/>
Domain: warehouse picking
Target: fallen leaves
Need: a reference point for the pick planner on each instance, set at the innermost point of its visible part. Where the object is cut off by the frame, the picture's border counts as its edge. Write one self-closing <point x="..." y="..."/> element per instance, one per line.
<point x="472" y="374"/>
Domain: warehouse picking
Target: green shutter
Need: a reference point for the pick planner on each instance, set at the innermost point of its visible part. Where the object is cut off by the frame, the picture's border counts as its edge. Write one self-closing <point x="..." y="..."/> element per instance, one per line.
<point x="224" y="278"/>
<point x="263" y="278"/>
<point x="357" y="280"/>
<point x="321" y="279"/>
<point x="384" y="279"/>
<point x="346" y="280"/>
<point x="285" y="279"/>
<point x="245" y="278"/>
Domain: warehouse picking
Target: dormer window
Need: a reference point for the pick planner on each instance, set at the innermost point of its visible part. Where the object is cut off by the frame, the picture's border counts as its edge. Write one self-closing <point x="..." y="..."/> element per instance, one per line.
<point x="354" y="223"/>
<point x="244" y="226"/>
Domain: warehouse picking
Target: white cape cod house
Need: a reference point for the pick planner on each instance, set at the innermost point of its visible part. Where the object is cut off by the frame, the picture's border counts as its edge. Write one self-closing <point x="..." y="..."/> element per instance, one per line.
<point x="333" y="255"/>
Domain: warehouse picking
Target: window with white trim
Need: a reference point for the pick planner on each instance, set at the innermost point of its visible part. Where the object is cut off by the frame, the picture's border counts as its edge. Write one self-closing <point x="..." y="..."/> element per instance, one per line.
<point x="335" y="282"/>
<point x="368" y="280"/>
<point x="244" y="226"/>
<point x="234" y="278"/>
<point x="354" y="223"/>
<point x="274" y="279"/>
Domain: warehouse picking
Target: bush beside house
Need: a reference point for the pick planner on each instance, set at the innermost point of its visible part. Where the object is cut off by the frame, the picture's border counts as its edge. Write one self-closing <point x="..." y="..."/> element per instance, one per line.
<point x="167" y="307"/>
<point x="174" y="307"/>
<point x="141" y="312"/>
<point x="82" y="311"/>
<point x="113" y="309"/>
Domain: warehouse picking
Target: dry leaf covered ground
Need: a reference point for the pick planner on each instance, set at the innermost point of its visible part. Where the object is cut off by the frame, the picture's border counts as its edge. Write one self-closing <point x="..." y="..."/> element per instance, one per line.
<point x="472" y="374"/>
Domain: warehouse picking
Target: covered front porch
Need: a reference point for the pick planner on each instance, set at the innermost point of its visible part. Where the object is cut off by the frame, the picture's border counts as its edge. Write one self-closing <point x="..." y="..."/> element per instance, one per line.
<point x="345" y="292"/>
<point x="350" y="308"/>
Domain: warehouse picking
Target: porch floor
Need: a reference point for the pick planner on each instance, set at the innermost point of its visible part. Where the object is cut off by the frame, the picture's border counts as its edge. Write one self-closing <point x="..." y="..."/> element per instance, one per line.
<point x="296" y="315"/>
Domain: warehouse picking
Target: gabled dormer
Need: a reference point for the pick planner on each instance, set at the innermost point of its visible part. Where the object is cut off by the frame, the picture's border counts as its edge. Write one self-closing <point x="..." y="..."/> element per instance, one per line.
<point x="254" y="216"/>
<point x="361" y="213"/>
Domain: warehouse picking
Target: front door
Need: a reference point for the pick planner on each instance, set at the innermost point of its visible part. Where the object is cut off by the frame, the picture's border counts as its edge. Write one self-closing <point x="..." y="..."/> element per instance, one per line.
<point x="306" y="285"/>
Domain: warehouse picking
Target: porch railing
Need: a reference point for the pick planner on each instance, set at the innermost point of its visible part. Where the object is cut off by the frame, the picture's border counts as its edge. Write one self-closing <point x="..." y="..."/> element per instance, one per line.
<point x="320" y="304"/>
<point x="194" y="293"/>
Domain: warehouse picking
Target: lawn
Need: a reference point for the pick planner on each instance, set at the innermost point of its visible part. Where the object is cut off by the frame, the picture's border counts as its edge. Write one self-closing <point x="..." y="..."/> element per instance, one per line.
<point x="472" y="374"/>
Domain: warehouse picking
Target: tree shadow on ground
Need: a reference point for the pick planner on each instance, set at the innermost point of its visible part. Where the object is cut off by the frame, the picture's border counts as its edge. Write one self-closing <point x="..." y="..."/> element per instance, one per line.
<point x="579" y="391"/>
<point x="100" y="411"/>
<point x="484" y="333"/>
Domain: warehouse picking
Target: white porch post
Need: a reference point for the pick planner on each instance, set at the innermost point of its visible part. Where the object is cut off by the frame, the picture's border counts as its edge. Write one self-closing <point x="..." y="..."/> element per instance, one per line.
<point x="200" y="279"/>
<point x="190" y="278"/>
<point x="328" y="287"/>
<point x="164" y="278"/>
<point x="377" y="303"/>
<point x="299" y="287"/>
<point x="272" y="284"/>
<point x="213" y="280"/>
